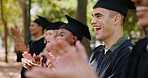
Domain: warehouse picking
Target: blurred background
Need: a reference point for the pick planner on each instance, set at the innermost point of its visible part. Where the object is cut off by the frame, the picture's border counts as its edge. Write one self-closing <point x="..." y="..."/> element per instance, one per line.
<point x="23" y="12"/>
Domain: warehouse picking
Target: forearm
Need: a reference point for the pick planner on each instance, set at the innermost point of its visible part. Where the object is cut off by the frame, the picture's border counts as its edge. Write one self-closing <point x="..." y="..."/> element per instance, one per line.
<point x="17" y="39"/>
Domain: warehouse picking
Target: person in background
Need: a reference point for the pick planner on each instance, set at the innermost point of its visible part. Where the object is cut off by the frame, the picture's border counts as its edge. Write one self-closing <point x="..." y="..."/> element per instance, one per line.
<point x="138" y="60"/>
<point x="34" y="46"/>
<point x="72" y="31"/>
<point x="36" y="60"/>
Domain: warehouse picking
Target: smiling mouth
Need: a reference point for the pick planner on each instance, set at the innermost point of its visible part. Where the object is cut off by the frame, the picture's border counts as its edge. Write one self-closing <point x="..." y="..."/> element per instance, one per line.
<point x="141" y="8"/>
<point x="97" y="28"/>
<point x="48" y="41"/>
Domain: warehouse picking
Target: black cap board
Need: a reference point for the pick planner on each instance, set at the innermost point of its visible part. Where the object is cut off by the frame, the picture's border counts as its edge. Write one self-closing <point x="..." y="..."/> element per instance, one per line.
<point x="54" y="26"/>
<point x="120" y="6"/>
<point x="42" y="21"/>
<point x="76" y="28"/>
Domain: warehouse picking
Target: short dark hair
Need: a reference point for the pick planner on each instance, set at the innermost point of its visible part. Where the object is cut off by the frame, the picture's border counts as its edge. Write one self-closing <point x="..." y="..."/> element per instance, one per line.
<point x="113" y="13"/>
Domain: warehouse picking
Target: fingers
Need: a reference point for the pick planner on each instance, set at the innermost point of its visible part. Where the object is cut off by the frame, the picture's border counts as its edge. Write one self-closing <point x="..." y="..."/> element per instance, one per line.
<point x="39" y="72"/>
<point x="48" y="55"/>
<point x="52" y="48"/>
<point x="27" y="64"/>
<point x="16" y="26"/>
<point x="41" y="62"/>
<point x="11" y="29"/>
<point x="59" y="47"/>
<point x="51" y="60"/>
<point x="81" y="51"/>
<point x="36" y="58"/>
<point x="27" y="55"/>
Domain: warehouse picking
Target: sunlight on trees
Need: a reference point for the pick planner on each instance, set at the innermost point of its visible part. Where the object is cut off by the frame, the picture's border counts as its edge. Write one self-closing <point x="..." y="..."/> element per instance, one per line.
<point x="54" y="10"/>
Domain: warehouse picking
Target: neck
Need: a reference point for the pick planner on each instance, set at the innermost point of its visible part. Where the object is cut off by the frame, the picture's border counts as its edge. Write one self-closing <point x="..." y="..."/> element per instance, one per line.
<point x="37" y="35"/>
<point x="112" y="40"/>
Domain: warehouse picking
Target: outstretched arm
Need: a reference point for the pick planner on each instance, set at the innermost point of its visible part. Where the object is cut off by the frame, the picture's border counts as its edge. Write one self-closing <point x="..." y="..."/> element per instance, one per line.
<point x="19" y="44"/>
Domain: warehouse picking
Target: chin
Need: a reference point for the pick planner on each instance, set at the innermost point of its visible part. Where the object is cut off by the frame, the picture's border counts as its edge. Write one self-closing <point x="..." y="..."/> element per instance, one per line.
<point x="98" y="38"/>
<point x="143" y="23"/>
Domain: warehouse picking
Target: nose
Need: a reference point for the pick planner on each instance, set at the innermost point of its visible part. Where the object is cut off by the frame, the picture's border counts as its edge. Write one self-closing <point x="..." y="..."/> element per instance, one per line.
<point x="93" y="21"/>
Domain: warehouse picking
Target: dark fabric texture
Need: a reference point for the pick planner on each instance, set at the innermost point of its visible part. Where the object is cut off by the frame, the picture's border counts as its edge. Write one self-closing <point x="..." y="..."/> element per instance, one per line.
<point x="109" y="65"/>
<point x="138" y="61"/>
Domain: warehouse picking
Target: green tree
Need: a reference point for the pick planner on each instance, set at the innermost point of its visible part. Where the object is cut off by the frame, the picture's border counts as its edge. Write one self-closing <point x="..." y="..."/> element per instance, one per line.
<point x="6" y="30"/>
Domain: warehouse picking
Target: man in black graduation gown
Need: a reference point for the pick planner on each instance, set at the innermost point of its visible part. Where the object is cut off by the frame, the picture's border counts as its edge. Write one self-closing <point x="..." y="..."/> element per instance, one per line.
<point x="138" y="61"/>
<point x="108" y="19"/>
<point x="34" y="46"/>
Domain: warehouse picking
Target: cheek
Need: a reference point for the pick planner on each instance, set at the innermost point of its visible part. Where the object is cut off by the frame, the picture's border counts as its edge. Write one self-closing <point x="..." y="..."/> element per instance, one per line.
<point x="48" y="47"/>
<point x="66" y="38"/>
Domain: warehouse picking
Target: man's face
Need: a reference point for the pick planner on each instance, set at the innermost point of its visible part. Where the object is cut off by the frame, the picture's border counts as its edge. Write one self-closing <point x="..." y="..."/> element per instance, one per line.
<point x="142" y="8"/>
<point x="35" y="28"/>
<point x="50" y="35"/>
<point x="66" y="35"/>
<point x="102" y="23"/>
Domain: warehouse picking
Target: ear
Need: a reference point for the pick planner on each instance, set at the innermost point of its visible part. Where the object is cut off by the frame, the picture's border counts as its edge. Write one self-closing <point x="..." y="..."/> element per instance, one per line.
<point x="117" y="19"/>
<point x="75" y="38"/>
<point x="40" y="27"/>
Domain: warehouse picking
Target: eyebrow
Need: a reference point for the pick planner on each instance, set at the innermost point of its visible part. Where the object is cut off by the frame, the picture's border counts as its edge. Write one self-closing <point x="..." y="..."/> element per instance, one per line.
<point x="62" y="33"/>
<point x="97" y="14"/>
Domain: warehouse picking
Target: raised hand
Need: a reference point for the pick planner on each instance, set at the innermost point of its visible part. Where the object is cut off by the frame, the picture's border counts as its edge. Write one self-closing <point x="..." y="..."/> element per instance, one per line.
<point x="15" y="31"/>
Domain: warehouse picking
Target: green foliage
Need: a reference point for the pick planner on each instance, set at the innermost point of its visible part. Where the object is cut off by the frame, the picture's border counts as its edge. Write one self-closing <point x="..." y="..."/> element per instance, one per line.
<point x="131" y="27"/>
<point x="90" y="5"/>
<point x="54" y="10"/>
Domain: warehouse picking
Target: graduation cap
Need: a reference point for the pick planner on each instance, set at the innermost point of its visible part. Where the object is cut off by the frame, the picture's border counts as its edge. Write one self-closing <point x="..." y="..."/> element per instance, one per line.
<point x="42" y="22"/>
<point x="77" y="28"/>
<point x="54" y="26"/>
<point x="120" y="6"/>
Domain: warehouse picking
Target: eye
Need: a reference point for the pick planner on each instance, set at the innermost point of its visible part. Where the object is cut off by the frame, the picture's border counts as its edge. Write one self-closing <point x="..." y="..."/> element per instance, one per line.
<point x="98" y="16"/>
<point x="49" y="33"/>
<point x="61" y="35"/>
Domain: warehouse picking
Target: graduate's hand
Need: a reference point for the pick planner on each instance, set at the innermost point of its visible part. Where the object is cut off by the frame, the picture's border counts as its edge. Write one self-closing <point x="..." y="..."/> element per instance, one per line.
<point x="29" y="64"/>
<point x="29" y="61"/>
<point x="61" y="47"/>
<point x="28" y="56"/>
<point x="15" y="31"/>
<point x="73" y="64"/>
<point x="35" y="58"/>
<point x="20" y="46"/>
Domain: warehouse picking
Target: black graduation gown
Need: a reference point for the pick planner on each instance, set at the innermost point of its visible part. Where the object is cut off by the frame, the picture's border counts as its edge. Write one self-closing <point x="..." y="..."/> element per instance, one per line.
<point x="138" y="61"/>
<point x="35" y="47"/>
<point x="109" y="65"/>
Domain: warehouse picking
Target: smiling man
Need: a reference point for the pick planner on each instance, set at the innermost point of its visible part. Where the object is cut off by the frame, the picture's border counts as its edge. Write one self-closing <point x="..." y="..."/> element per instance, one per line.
<point x="108" y="19"/>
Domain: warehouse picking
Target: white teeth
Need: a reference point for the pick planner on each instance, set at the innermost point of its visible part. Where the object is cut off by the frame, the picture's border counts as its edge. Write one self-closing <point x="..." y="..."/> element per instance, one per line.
<point x="98" y="27"/>
<point x="141" y="8"/>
